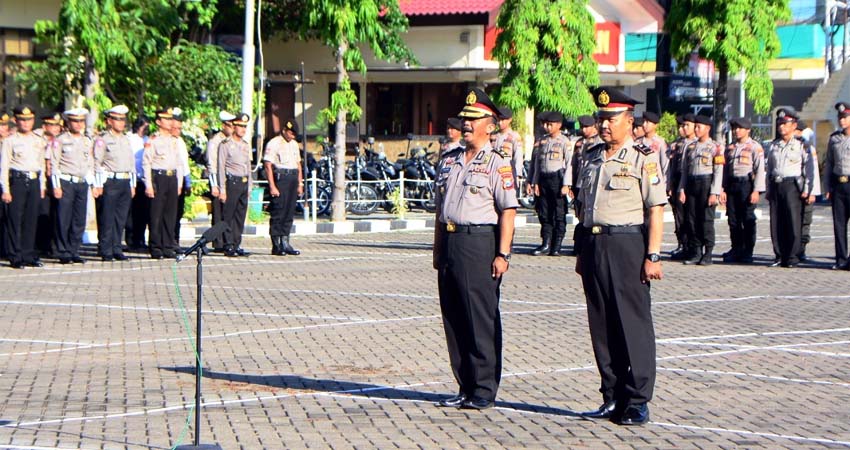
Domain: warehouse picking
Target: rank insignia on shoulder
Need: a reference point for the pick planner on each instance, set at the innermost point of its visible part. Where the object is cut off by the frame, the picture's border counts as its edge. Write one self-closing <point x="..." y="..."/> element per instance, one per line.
<point x="501" y="152"/>
<point x="643" y="149"/>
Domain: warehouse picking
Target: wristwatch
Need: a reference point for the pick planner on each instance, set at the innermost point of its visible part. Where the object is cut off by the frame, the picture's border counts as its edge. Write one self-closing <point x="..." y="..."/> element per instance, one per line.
<point x="653" y="257"/>
<point x="507" y="256"/>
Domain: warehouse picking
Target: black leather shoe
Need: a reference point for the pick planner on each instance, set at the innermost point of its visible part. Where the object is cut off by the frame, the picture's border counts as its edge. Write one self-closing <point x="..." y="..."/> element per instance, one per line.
<point x="36" y="263"/>
<point x="107" y="258"/>
<point x="452" y="402"/>
<point x="803" y="257"/>
<point x="16" y="265"/>
<point x="693" y="260"/>
<point x="64" y="260"/>
<point x="775" y="263"/>
<point x="121" y="257"/>
<point x="77" y="260"/>
<point x="606" y="411"/>
<point x="542" y="250"/>
<point x="157" y="257"/>
<point x="745" y="260"/>
<point x="635" y="415"/>
<point x="477" y="403"/>
<point x="241" y="252"/>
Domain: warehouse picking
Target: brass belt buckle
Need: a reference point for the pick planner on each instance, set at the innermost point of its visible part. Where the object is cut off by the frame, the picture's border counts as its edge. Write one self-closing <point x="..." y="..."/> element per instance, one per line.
<point x="843" y="179"/>
<point x="169" y="172"/>
<point x="596" y="229"/>
<point x="244" y="179"/>
<point x="450" y="227"/>
<point x="32" y="175"/>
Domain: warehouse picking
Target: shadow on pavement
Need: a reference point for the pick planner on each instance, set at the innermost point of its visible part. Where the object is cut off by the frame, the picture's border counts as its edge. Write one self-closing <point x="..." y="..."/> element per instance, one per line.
<point x="367" y="390"/>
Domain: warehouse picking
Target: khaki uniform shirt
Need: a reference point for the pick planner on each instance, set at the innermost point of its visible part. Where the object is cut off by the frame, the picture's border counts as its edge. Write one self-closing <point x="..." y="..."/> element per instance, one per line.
<point x="745" y="160"/>
<point x="282" y="154"/>
<point x="24" y="152"/>
<point x="658" y="145"/>
<point x="474" y="193"/>
<point x="72" y="155"/>
<point x="703" y="158"/>
<point x="674" y="156"/>
<point x="793" y="159"/>
<point x="212" y="157"/>
<point x="837" y="160"/>
<point x="553" y="155"/>
<point x="234" y="159"/>
<point x="510" y="143"/>
<point x="113" y="154"/>
<point x="619" y="190"/>
<point x="162" y="152"/>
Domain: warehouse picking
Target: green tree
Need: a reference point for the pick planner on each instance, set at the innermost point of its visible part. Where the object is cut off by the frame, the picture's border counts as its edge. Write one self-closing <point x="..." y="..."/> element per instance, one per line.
<point x="735" y="34"/>
<point x="545" y="51"/>
<point x="344" y="26"/>
<point x="133" y="52"/>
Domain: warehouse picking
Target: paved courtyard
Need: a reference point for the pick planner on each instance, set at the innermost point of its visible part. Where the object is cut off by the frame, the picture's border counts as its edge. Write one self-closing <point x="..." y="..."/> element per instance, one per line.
<point x="343" y="347"/>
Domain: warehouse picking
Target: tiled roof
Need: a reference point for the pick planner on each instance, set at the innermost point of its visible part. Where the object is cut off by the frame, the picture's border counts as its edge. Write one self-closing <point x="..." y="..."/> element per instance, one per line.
<point x="438" y="7"/>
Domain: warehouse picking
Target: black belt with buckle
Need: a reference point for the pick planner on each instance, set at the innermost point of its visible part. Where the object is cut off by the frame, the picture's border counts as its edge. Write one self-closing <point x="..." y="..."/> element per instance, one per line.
<point x="285" y="171"/>
<point x="29" y="175"/>
<point x="469" y="229"/>
<point x="746" y="179"/>
<point x="238" y="178"/>
<point x="166" y="172"/>
<point x="616" y="229"/>
<point x="779" y="179"/>
<point x="72" y="178"/>
<point x="120" y="175"/>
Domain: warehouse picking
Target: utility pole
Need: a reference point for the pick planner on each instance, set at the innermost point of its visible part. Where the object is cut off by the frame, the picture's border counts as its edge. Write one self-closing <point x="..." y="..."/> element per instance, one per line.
<point x="248" y="63"/>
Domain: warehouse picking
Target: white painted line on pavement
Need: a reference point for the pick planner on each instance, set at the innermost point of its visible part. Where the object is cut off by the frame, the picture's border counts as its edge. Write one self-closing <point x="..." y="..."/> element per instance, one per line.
<point x="160" y="309"/>
<point x="754" y="375"/>
<point x="753" y="433"/>
<point x="35" y="341"/>
<point x="764" y="333"/>
<point x="789" y="348"/>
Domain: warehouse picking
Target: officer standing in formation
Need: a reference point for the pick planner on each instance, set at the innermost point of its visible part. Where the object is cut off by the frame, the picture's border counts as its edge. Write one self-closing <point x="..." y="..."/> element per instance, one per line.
<point x="476" y="206"/>
<point x="699" y="191"/>
<point x="551" y="177"/>
<point x="22" y="182"/>
<point x="226" y="119"/>
<point x="676" y="152"/>
<point x="453" y="134"/>
<point x="623" y="198"/>
<point x="743" y="182"/>
<point x="790" y="181"/>
<point x="51" y="126"/>
<point x="282" y="162"/>
<point x="71" y="173"/>
<point x="837" y="173"/>
<point x="589" y="139"/>
<point x="115" y="183"/>
<point x="509" y="141"/>
<point x="638" y="132"/>
<point x="808" y="207"/>
<point x="163" y="171"/>
<point x="4" y="133"/>
<point x="234" y="177"/>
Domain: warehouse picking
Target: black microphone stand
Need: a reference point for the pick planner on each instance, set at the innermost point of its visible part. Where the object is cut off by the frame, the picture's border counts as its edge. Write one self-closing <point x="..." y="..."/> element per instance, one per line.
<point x="198" y="362"/>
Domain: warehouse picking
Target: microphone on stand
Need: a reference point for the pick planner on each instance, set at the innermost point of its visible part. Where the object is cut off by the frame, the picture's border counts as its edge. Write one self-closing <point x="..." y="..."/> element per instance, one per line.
<point x="210" y="235"/>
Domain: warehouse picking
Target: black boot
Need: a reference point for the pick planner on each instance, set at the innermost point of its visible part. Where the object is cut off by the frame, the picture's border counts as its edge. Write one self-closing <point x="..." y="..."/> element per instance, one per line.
<point x="287" y="248"/>
<point x="544" y="247"/>
<point x="694" y="257"/>
<point x="706" y="257"/>
<point x="555" y="250"/>
<point x="277" y="246"/>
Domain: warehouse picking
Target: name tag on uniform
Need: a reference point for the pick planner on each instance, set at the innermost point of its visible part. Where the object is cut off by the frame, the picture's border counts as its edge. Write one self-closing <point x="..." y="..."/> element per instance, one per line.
<point x="555" y="155"/>
<point x="844" y="179"/>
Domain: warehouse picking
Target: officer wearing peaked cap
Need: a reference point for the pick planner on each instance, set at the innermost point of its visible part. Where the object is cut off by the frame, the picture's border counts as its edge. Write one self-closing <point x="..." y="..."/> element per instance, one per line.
<point x="163" y="177"/>
<point x="226" y="119"/>
<point x="652" y="140"/>
<point x="622" y="195"/>
<point x="22" y="183"/>
<point x="509" y="141"/>
<point x="51" y="126"/>
<point x="282" y="162"/>
<point x="4" y="132"/>
<point x="476" y="205"/>
<point x="790" y="182"/>
<point x="4" y="125"/>
<point x="234" y="170"/>
<point x="71" y="174"/>
<point x="115" y="182"/>
<point x="837" y="183"/>
<point x="677" y="151"/>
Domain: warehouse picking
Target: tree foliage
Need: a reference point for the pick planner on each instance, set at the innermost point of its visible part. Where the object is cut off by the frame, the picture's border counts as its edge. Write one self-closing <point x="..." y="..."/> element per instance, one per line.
<point x="735" y="34"/>
<point x="545" y="50"/>
<point x="133" y="52"/>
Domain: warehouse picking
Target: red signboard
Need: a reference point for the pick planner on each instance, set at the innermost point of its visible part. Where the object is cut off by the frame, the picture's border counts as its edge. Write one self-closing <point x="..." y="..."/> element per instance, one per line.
<point x="607" y="43"/>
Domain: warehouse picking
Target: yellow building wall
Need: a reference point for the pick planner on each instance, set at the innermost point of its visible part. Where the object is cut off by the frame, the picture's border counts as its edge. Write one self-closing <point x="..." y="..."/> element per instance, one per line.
<point x="24" y="13"/>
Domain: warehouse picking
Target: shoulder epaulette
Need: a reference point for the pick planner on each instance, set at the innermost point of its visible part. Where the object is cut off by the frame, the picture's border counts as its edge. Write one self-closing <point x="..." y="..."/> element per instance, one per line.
<point x="501" y="153"/>
<point x="643" y="149"/>
<point x="451" y="153"/>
